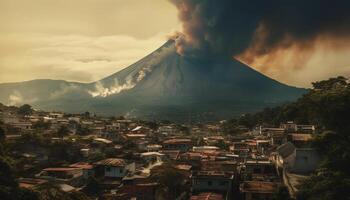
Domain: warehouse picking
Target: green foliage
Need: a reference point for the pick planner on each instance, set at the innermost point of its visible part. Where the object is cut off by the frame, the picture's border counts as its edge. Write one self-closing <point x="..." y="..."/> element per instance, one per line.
<point x="152" y="125"/>
<point x="92" y="187"/>
<point x="25" y="110"/>
<point x="96" y="156"/>
<point x="82" y="130"/>
<point x="326" y="105"/>
<point x="222" y="145"/>
<point x="9" y="189"/>
<point x="335" y="149"/>
<point x="171" y="180"/>
<point x="282" y="194"/>
<point x="2" y="134"/>
<point x="50" y="191"/>
<point x="62" y="131"/>
<point x="326" y="185"/>
<point x="41" y="125"/>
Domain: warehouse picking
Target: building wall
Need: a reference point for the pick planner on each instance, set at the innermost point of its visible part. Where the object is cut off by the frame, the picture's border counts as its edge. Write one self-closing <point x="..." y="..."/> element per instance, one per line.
<point x="117" y="172"/>
<point x="211" y="184"/>
<point x="303" y="160"/>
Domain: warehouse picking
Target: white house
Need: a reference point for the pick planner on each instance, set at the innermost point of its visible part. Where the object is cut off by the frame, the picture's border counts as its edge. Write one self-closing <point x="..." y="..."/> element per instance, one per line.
<point x="114" y="167"/>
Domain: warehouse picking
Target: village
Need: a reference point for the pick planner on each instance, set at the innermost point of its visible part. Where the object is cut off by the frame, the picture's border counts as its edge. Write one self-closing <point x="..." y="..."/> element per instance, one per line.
<point x="120" y="158"/>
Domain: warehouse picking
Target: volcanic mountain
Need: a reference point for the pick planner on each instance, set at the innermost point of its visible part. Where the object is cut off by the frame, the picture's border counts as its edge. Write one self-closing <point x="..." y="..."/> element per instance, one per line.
<point x="163" y="85"/>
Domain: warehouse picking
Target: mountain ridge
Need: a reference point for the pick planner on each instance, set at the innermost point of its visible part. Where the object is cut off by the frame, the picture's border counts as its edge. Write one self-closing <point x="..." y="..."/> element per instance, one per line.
<point x="163" y="84"/>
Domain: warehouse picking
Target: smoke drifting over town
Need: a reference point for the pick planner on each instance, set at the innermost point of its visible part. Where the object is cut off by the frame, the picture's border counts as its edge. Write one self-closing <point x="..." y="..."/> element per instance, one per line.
<point x="249" y="30"/>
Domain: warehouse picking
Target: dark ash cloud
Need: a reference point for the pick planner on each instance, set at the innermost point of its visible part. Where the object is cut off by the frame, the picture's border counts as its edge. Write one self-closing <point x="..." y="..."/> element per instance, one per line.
<point x="230" y="27"/>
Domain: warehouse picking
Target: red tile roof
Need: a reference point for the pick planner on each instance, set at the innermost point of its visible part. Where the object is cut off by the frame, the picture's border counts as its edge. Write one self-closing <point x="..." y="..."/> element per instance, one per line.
<point x="115" y="162"/>
<point x="207" y="196"/>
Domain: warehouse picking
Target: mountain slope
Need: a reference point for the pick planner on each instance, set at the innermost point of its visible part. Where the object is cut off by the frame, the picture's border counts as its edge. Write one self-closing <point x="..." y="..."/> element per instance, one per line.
<point x="164" y="85"/>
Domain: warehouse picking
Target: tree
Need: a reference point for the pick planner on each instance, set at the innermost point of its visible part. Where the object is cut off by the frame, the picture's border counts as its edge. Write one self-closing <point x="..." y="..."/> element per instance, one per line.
<point x="282" y="194"/>
<point x="171" y="180"/>
<point x="9" y="188"/>
<point x="2" y="134"/>
<point x="326" y="185"/>
<point x="25" y="110"/>
<point x="41" y="125"/>
<point x="92" y="187"/>
<point x="330" y="83"/>
<point x="62" y="131"/>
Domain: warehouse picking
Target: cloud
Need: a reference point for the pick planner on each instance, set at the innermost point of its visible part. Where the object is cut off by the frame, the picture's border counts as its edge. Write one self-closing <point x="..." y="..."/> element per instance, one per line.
<point x="15" y="99"/>
<point x="70" y="57"/>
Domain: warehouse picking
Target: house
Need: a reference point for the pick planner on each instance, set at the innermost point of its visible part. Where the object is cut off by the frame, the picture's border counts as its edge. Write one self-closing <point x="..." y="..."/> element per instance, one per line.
<point x="140" y="191"/>
<point x="109" y="135"/>
<point x="98" y="130"/>
<point x="211" y="181"/>
<point x="310" y="129"/>
<point x="69" y="175"/>
<point x="166" y="130"/>
<point x="75" y="119"/>
<point x="24" y="126"/>
<point x="171" y="154"/>
<point x="56" y="115"/>
<point x="102" y="142"/>
<point x="300" y="139"/>
<point x="85" y="152"/>
<point x="30" y="183"/>
<point x="223" y="166"/>
<point x="153" y="147"/>
<point x="183" y="145"/>
<point x="254" y="190"/>
<point x="262" y="145"/>
<point x="282" y="153"/>
<point x="298" y="160"/>
<point x="213" y="140"/>
<point x="88" y="169"/>
<point x="277" y="139"/>
<point x="253" y="168"/>
<point x="267" y="131"/>
<point x="8" y="118"/>
<point x="289" y="127"/>
<point x="205" y="148"/>
<point x="114" y="167"/>
<point x="151" y="157"/>
<point x="303" y="160"/>
<point x="140" y="130"/>
<point x="122" y="125"/>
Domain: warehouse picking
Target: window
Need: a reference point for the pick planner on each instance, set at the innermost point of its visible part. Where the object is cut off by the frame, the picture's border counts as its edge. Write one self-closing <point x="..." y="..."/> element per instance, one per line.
<point x="210" y="183"/>
<point x="223" y="183"/>
<point x="121" y="171"/>
<point x="108" y="169"/>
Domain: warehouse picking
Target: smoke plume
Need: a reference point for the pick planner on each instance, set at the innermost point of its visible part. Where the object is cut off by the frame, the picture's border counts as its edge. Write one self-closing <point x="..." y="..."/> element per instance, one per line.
<point x="250" y="29"/>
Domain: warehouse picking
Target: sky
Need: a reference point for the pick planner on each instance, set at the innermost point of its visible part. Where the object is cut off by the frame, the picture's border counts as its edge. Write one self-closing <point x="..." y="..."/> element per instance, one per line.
<point x="86" y="40"/>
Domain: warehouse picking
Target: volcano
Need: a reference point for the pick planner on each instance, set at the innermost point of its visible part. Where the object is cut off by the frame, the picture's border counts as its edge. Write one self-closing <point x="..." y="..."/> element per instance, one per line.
<point x="163" y="85"/>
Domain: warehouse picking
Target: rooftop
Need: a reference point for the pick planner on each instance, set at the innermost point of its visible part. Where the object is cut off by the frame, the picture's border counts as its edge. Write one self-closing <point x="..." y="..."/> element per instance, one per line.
<point x="259" y="187"/>
<point x="211" y="174"/>
<point x="286" y="149"/>
<point x="81" y="165"/>
<point x="103" y="140"/>
<point x="207" y="196"/>
<point x="115" y="162"/>
<point x="301" y="137"/>
<point x="177" y="141"/>
<point x="60" y="169"/>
